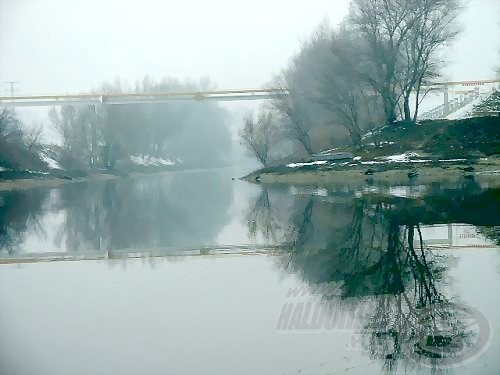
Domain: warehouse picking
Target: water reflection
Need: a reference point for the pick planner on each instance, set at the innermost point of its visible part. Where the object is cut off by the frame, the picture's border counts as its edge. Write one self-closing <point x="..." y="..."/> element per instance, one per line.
<point x="183" y="211"/>
<point x="20" y="211"/>
<point x="381" y="244"/>
<point x="377" y="246"/>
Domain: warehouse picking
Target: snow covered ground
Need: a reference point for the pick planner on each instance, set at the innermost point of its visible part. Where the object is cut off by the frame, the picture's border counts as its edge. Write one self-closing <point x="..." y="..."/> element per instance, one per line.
<point x="406" y="157"/>
<point x="295" y="165"/>
<point x="146" y="160"/>
<point x="53" y="164"/>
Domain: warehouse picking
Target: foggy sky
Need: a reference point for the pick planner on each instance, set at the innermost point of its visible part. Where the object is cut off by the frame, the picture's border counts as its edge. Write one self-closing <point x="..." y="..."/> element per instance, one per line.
<point x="72" y="46"/>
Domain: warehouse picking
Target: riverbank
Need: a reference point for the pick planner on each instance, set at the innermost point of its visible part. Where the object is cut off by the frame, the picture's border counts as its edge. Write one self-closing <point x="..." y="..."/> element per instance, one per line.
<point x="431" y="151"/>
<point x="483" y="171"/>
<point x="30" y="180"/>
<point x="50" y="181"/>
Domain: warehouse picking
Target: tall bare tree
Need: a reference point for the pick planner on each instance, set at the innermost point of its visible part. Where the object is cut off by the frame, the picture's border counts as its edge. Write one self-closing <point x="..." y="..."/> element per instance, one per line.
<point x="259" y="136"/>
<point x="383" y="25"/>
<point x="402" y="39"/>
<point x="340" y="89"/>
<point x="435" y="25"/>
<point x="33" y="135"/>
<point x="110" y="134"/>
<point x="325" y="88"/>
<point x="8" y="122"/>
<point x="294" y="108"/>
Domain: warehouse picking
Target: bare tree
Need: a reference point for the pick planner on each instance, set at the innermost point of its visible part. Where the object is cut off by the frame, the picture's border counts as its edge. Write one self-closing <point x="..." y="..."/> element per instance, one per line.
<point x="435" y="25"/>
<point x="81" y="130"/>
<point x="8" y="122"/>
<point x="340" y="89"/>
<point x="15" y="151"/>
<point x="383" y="25"/>
<point x="402" y="38"/>
<point x="259" y="136"/>
<point x="294" y="108"/>
<point x="109" y="135"/>
<point x="33" y="136"/>
<point x="325" y="88"/>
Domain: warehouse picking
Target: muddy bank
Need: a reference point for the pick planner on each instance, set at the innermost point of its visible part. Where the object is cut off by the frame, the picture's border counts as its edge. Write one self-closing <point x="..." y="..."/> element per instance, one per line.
<point x="483" y="171"/>
<point x="29" y="181"/>
<point x="403" y="153"/>
<point x="40" y="180"/>
<point x="50" y="181"/>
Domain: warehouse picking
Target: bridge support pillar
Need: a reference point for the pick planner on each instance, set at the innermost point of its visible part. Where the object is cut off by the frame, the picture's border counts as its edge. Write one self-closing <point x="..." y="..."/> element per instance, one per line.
<point x="95" y="152"/>
<point x="446" y="108"/>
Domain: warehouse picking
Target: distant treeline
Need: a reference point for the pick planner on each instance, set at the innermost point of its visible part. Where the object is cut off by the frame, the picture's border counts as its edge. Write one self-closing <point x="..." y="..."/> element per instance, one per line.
<point x="193" y="133"/>
<point x="368" y="71"/>
<point x="184" y="133"/>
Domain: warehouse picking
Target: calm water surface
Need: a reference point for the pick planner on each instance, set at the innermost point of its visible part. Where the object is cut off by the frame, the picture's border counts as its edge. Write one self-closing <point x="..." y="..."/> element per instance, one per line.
<point x="195" y="273"/>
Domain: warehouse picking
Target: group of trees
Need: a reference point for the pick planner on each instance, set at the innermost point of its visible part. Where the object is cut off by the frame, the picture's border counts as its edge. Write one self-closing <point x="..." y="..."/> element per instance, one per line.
<point x="101" y="136"/>
<point x="19" y="145"/>
<point x="368" y="71"/>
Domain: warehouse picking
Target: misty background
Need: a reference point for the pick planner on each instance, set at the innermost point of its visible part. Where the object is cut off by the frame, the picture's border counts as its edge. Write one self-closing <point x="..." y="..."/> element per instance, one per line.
<point x="57" y="47"/>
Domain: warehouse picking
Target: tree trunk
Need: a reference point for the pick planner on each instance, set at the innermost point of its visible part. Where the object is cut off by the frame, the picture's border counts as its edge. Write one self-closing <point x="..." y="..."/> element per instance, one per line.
<point x="417" y="98"/>
<point x="355" y="136"/>
<point x="406" y="107"/>
<point x="416" y="109"/>
<point x="389" y="106"/>
<point x="306" y="143"/>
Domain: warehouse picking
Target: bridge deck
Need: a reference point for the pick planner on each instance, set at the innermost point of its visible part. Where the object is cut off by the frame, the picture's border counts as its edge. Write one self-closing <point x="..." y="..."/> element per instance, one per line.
<point x="139" y="98"/>
<point x="161" y="97"/>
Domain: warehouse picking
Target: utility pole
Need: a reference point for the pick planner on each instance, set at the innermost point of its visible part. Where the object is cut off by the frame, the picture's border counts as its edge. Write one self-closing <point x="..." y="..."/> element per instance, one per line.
<point x="12" y="87"/>
<point x="12" y="90"/>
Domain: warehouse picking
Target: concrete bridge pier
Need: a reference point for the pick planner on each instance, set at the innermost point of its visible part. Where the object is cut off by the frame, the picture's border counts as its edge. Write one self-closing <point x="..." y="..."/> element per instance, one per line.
<point x="446" y="107"/>
<point x="94" y="152"/>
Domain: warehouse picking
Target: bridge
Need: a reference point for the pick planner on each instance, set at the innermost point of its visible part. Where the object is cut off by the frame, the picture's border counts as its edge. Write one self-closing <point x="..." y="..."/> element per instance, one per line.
<point x="139" y="98"/>
<point x="217" y="95"/>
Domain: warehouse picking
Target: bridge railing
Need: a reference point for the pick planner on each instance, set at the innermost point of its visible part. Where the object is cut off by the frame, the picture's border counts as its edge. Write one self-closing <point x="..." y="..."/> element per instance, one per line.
<point x="130" y="98"/>
<point x="219" y="95"/>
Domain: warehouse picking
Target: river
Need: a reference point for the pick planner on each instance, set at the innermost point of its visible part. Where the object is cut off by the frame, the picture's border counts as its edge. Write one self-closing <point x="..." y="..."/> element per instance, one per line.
<point x="198" y="273"/>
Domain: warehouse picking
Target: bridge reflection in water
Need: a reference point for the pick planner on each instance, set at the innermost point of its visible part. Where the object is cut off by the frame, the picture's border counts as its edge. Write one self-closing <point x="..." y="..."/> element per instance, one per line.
<point x="441" y="236"/>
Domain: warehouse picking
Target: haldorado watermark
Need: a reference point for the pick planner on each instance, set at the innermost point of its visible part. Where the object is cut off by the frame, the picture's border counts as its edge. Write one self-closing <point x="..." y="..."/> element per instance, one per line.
<point x="443" y="335"/>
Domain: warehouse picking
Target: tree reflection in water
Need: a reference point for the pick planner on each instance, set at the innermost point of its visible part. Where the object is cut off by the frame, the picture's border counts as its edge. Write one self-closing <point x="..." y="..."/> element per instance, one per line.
<point x="373" y="244"/>
<point x="176" y="212"/>
<point x="20" y="211"/>
<point x="261" y="220"/>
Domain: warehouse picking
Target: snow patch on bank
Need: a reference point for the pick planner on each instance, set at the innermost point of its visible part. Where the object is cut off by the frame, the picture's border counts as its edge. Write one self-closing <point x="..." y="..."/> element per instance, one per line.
<point x="295" y="165"/>
<point x="399" y="158"/>
<point x="146" y="160"/>
<point x="52" y="163"/>
<point x="372" y="162"/>
<point x="451" y="160"/>
<point x="406" y="157"/>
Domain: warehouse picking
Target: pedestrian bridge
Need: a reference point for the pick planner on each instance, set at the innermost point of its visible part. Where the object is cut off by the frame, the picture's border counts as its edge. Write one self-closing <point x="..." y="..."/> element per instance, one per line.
<point x="217" y="95"/>
<point x="139" y="98"/>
